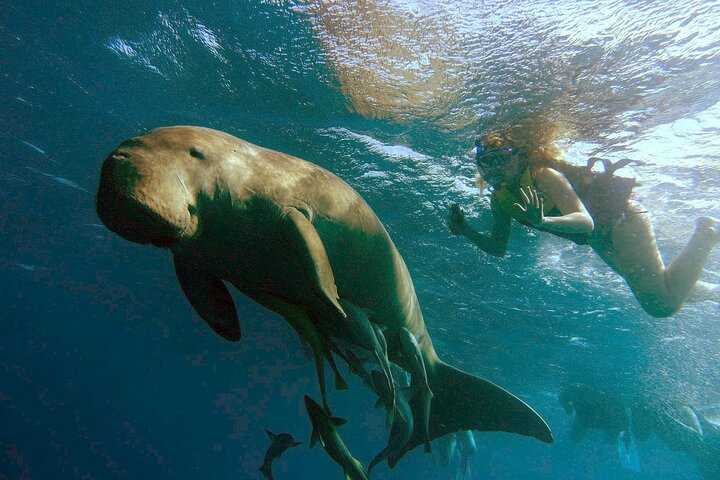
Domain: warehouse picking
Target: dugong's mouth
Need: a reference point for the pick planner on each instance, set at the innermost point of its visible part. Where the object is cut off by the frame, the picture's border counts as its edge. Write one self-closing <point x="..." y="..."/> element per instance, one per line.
<point x="121" y="209"/>
<point x="142" y="225"/>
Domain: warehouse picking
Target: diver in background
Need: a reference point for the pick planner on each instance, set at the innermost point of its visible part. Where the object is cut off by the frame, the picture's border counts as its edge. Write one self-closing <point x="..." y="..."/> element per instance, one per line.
<point x="466" y="450"/>
<point x="460" y="444"/>
<point x="533" y="187"/>
<point x="594" y="410"/>
<point x="682" y="428"/>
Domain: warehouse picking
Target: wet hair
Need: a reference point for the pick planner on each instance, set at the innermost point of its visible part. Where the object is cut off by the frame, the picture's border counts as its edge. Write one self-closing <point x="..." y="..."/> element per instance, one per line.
<point x="536" y="151"/>
<point x="535" y="146"/>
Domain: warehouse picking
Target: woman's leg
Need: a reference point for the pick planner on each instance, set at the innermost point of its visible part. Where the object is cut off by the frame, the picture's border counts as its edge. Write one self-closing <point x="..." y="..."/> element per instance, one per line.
<point x="633" y="253"/>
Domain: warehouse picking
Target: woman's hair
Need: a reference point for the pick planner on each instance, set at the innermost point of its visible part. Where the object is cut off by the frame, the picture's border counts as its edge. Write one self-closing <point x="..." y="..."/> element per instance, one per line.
<point x="535" y="150"/>
<point x="535" y="146"/>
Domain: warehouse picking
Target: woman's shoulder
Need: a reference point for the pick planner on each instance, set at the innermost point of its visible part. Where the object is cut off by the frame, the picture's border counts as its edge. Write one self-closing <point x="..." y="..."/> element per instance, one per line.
<point x="545" y="174"/>
<point x="553" y="184"/>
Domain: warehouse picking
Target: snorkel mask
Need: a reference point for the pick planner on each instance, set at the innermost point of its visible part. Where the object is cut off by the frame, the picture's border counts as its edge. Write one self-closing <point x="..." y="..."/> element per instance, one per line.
<point x="489" y="161"/>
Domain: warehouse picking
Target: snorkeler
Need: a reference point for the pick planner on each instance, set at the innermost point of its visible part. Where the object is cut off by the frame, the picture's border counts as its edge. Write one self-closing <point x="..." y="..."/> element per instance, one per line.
<point x="533" y="187"/>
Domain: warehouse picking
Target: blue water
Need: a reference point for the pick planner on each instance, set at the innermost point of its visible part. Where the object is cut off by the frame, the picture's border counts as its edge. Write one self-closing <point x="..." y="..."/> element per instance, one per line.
<point x="106" y="372"/>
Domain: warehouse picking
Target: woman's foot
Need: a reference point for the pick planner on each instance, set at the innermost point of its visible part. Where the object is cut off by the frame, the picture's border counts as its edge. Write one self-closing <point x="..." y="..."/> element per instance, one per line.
<point x="709" y="225"/>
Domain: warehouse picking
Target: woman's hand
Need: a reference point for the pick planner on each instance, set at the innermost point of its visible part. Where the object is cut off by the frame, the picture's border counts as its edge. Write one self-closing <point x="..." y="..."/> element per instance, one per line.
<point x="532" y="206"/>
<point x="457" y="219"/>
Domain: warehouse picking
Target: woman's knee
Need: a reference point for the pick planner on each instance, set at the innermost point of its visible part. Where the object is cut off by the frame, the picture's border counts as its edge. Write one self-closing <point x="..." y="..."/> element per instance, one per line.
<point x="659" y="307"/>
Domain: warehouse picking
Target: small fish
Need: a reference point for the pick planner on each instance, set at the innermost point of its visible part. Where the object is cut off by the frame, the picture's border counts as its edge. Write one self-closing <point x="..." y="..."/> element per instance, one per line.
<point x="711" y="416"/>
<point x="33" y="147"/>
<point x="357" y="329"/>
<point x="418" y="378"/>
<point x="281" y="443"/>
<point x="691" y="421"/>
<point x="386" y="396"/>
<point x="61" y="180"/>
<point x="356" y="367"/>
<point x="321" y="346"/>
<point x="402" y="423"/>
<point x="69" y="183"/>
<point x="324" y="429"/>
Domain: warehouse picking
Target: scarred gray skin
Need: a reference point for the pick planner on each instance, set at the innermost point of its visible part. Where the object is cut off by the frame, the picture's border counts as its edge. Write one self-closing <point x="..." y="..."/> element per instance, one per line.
<point x="296" y="239"/>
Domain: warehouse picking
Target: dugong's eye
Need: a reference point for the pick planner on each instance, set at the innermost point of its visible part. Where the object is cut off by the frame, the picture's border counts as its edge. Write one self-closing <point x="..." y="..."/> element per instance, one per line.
<point x="197" y="154"/>
<point x="131" y="142"/>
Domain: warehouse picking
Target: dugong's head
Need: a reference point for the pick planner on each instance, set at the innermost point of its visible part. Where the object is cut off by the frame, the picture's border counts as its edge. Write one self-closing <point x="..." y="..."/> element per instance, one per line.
<point x="149" y="184"/>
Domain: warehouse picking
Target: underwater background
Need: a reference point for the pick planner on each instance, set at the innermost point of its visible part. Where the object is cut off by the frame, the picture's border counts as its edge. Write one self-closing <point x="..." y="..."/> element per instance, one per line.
<point x="105" y="370"/>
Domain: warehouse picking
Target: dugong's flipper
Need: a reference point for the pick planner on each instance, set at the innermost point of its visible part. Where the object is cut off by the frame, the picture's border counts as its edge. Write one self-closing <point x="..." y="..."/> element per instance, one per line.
<point x="211" y="299"/>
<point x="305" y="243"/>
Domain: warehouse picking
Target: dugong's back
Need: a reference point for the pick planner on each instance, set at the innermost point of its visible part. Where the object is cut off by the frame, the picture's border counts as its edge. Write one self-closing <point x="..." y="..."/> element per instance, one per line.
<point x="367" y="267"/>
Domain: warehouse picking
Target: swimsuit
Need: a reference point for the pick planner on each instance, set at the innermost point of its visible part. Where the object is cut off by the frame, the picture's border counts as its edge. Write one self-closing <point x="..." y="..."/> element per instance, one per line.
<point x="604" y="195"/>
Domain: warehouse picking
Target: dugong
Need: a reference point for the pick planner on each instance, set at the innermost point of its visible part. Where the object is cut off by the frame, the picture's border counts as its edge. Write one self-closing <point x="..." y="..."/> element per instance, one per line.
<point x="296" y="239"/>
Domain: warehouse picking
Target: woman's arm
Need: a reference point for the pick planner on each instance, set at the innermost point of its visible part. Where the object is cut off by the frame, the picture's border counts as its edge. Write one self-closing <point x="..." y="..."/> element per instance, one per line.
<point x="575" y="217"/>
<point x="495" y="243"/>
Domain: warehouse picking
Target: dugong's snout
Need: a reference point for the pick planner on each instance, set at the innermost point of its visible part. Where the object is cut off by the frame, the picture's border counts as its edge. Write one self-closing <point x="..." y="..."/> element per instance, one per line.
<point x="139" y="206"/>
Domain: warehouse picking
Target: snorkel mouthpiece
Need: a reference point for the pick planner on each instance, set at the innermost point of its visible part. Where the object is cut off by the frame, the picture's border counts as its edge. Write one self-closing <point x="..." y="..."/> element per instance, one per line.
<point x="479" y="150"/>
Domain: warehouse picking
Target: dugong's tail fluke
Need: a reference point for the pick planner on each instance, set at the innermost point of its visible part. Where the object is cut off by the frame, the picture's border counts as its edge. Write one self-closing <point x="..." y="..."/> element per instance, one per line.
<point x="465" y="402"/>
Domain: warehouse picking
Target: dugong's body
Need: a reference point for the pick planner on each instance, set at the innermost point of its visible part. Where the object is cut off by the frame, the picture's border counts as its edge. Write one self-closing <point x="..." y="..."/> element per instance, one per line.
<point x="296" y="239"/>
